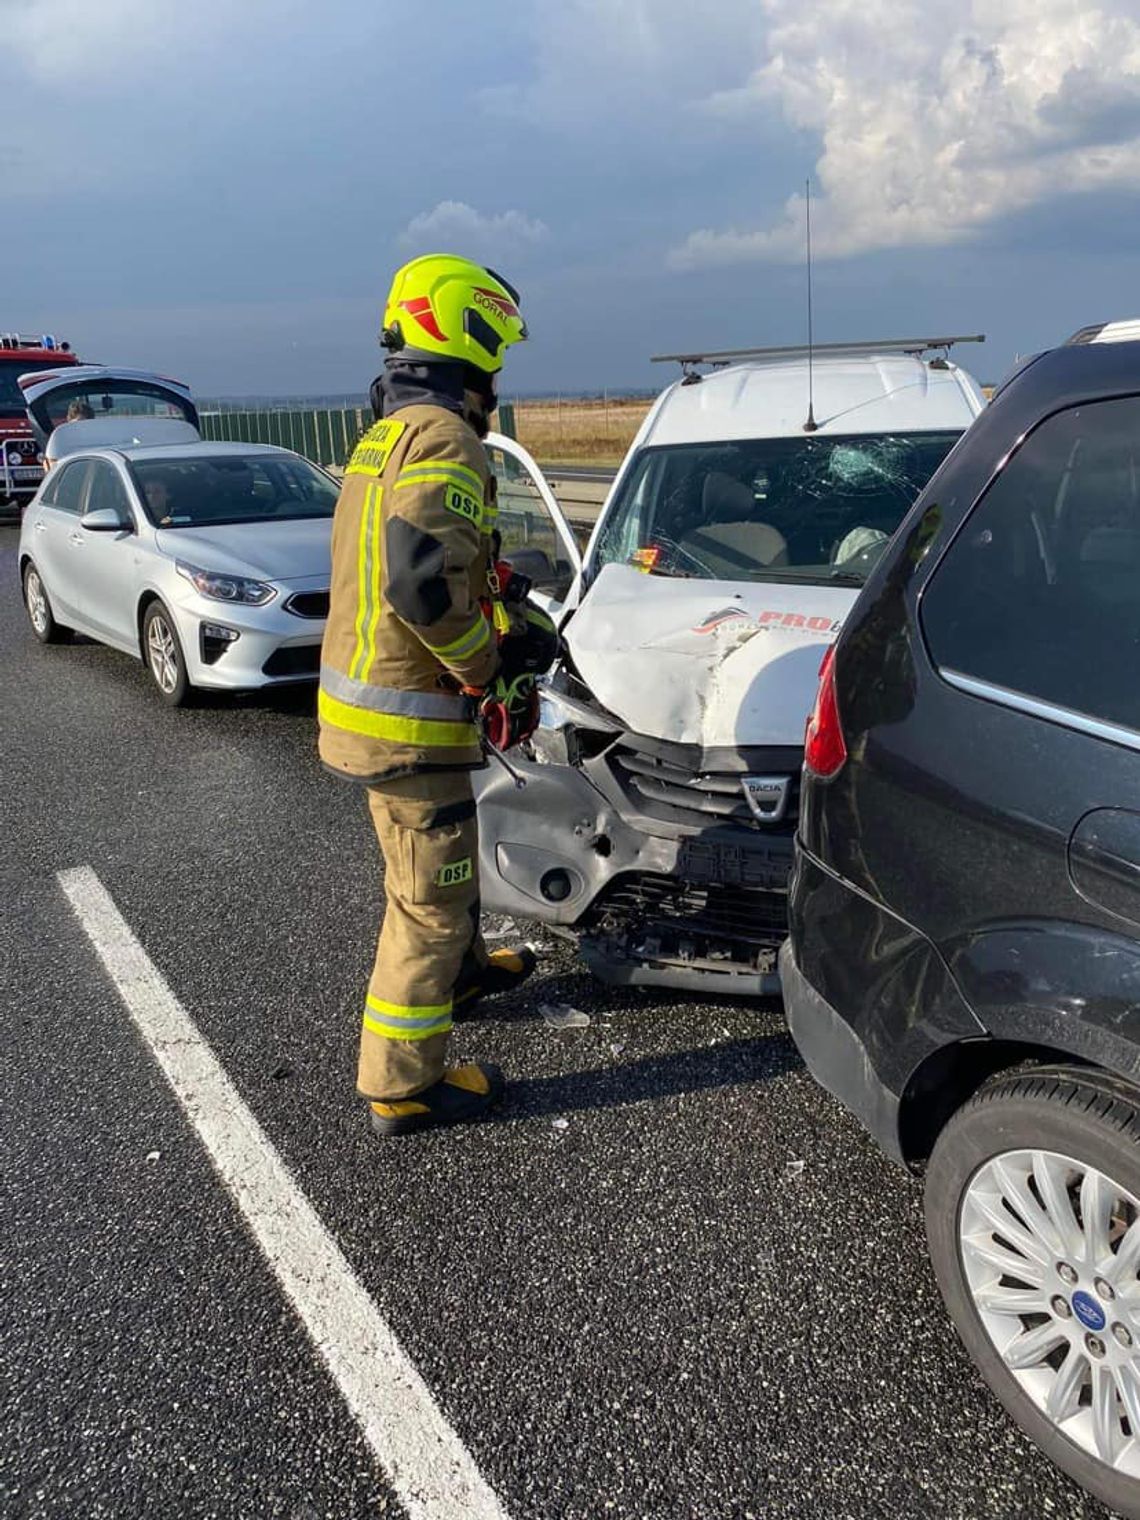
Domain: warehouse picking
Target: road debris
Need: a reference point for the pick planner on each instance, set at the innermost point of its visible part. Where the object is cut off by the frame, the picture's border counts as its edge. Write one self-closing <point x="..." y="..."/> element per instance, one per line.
<point x="560" y="1124"/>
<point x="153" y="1155"/>
<point x="563" y="1016"/>
<point x="794" y="1168"/>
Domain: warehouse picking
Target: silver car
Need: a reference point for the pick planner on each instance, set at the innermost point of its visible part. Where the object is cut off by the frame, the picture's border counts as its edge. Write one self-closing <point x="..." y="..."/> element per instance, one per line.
<point x="208" y="561"/>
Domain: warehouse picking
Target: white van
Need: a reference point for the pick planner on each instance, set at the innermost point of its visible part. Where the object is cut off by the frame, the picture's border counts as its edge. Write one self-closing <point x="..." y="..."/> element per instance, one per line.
<point x="661" y="790"/>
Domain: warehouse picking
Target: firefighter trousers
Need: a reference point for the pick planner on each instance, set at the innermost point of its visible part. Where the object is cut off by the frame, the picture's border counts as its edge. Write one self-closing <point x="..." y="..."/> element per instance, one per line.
<point x="429" y="940"/>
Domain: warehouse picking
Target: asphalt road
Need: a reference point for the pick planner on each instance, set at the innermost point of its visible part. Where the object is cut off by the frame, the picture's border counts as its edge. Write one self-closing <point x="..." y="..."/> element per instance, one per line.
<point x="648" y="1312"/>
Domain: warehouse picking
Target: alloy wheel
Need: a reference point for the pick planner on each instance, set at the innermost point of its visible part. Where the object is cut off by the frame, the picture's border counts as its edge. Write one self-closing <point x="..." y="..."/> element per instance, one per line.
<point x="162" y="653"/>
<point x="36" y="601"/>
<point x="1050" y="1249"/>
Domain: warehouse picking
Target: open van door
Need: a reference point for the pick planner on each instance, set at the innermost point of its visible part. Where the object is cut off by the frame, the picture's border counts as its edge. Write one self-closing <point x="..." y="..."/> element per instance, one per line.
<point x="537" y="539"/>
<point x="109" y="407"/>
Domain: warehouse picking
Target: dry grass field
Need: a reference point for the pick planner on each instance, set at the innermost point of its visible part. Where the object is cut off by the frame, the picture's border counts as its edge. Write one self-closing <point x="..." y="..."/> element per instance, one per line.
<point x="579" y="432"/>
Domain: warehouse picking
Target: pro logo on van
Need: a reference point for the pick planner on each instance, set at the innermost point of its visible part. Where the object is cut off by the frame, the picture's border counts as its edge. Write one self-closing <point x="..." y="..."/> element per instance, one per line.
<point x="736" y="617"/>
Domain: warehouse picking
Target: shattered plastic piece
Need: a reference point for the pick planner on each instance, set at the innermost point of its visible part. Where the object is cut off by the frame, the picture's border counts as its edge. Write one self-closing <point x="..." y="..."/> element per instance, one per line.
<point x="617" y="1049"/>
<point x="794" y="1168"/>
<point x="504" y="931"/>
<point x="153" y="1155"/>
<point x="562" y="1016"/>
<point x="560" y="1124"/>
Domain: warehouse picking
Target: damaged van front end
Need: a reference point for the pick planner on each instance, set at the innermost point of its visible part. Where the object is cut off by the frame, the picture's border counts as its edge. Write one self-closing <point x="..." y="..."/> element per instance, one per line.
<point x="669" y="857"/>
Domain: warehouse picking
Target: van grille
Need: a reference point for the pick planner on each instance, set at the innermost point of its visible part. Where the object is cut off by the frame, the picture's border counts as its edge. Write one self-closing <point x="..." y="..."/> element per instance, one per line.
<point x="740" y="915"/>
<point x="701" y="797"/>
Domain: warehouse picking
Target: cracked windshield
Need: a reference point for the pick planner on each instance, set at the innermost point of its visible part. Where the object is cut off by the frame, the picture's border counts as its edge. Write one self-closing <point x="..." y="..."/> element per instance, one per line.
<point x="810" y="509"/>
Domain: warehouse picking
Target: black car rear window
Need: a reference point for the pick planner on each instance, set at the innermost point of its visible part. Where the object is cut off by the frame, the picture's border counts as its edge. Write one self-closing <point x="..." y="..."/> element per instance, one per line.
<point x="1040" y="591"/>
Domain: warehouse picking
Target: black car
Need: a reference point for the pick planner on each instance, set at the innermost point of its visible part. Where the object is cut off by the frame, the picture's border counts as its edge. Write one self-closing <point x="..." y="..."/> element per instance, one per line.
<point x="964" y="963"/>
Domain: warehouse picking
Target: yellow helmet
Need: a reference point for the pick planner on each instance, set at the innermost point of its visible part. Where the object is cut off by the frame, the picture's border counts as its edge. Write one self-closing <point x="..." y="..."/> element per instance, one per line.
<point x="446" y="307"/>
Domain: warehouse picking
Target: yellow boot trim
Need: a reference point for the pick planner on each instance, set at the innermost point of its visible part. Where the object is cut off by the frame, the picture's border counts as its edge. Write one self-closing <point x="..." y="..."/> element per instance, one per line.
<point x="469" y="1078"/>
<point x="405" y="1109"/>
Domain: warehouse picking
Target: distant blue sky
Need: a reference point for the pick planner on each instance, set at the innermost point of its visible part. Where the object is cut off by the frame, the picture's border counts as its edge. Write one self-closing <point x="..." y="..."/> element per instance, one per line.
<point x="221" y="189"/>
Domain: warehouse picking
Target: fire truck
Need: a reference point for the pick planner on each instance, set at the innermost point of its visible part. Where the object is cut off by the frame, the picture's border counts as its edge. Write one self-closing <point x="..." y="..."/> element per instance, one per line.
<point x="21" y="463"/>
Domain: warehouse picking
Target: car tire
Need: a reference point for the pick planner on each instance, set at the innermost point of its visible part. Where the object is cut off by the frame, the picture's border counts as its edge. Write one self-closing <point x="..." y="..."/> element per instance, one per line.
<point x="38" y="607"/>
<point x="163" y="657"/>
<point x="1044" y="1165"/>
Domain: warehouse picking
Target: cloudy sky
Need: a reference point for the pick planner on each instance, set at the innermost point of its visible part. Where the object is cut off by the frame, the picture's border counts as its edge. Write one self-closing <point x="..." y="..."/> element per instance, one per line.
<point x="221" y="188"/>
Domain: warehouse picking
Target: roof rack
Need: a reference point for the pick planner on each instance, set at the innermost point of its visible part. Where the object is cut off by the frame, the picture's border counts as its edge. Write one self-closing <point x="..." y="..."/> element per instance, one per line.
<point x="1126" y="330"/>
<point x="914" y="346"/>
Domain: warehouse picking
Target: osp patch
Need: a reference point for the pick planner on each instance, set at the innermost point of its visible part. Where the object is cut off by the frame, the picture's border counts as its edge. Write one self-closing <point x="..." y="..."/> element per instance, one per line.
<point x="455" y="873"/>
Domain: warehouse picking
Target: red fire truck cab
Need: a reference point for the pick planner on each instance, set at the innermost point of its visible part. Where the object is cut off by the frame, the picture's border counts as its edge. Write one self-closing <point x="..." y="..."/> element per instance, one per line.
<point x="21" y="462"/>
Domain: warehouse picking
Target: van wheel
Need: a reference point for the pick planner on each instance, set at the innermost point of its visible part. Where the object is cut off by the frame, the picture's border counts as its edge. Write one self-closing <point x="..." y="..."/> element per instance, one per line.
<point x="163" y="654"/>
<point x="43" y="622"/>
<point x="1033" y="1220"/>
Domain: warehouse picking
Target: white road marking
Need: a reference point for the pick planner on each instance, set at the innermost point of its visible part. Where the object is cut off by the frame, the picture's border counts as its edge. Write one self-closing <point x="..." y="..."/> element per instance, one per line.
<point x="430" y="1469"/>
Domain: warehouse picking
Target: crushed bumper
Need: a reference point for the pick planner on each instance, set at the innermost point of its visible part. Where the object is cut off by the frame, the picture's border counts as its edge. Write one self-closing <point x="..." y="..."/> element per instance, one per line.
<point x="700" y="909"/>
<point x="836" y="1057"/>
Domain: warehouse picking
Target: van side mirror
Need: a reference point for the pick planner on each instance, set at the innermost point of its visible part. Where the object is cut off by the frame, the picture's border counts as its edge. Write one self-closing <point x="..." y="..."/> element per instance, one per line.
<point x="544" y="574"/>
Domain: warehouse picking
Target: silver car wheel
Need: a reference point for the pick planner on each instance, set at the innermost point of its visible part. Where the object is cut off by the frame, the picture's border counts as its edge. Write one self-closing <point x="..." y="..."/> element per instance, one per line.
<point x="162" y="653"/>
<point x="1050" y="1249"/>
<point x="36" y="601"/>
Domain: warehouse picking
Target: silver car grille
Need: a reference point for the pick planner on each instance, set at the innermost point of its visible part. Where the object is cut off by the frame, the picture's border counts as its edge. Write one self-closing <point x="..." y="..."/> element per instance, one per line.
<point x="308" y="604"/>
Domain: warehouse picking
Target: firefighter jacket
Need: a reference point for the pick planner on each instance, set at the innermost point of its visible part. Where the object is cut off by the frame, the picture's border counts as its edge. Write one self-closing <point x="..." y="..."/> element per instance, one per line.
<point x="410" y="560"/>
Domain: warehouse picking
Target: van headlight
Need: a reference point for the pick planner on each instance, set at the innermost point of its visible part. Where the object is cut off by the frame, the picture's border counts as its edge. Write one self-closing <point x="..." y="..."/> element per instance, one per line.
<point x="551" y="739"/>
<point x="227" y="588"/>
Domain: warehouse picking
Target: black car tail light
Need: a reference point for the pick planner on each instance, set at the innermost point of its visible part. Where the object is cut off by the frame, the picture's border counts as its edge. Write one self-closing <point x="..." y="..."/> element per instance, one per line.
<point x="825" y="750"/>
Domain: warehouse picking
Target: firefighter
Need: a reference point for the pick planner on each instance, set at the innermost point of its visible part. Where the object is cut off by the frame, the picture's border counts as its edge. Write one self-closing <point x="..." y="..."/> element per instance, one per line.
<point x="414" y="674"/>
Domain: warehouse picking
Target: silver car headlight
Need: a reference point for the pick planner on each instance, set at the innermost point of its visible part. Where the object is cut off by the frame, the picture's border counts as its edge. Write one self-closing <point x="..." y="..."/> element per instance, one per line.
<point x="227" y="588"/>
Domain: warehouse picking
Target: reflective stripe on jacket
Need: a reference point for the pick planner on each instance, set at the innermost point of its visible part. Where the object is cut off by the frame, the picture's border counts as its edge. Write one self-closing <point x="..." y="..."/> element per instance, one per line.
<point x="410" y="556"/>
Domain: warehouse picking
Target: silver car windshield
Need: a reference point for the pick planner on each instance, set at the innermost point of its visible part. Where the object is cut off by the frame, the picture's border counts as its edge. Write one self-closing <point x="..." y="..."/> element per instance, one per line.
<point x="814" y="509"/>
<point x="209" y="490"/>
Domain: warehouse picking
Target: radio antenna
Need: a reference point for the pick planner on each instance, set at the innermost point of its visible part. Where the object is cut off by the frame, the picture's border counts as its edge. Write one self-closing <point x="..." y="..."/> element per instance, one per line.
<point x="810" y="426"/>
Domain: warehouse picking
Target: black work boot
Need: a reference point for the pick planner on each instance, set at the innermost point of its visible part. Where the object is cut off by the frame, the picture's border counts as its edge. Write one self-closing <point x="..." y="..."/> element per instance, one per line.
<point x="505" y="970"/>
<point x="461" y="1094"/>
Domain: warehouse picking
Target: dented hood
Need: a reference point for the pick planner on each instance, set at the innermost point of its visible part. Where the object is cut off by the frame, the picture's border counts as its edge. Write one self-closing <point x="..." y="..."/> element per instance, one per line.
<point x="706" y="662"/>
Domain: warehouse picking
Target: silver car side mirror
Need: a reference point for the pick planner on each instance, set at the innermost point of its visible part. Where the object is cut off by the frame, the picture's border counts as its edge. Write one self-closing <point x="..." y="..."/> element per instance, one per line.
<point x="105" y="520"/>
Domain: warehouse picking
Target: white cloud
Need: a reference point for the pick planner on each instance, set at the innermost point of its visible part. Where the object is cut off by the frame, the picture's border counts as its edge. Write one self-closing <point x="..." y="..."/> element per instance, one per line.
<point x="454" y="225"/>
<point x="935" y="119"/>
<point x="595" y="62"/>
<point x="57" y="40"/>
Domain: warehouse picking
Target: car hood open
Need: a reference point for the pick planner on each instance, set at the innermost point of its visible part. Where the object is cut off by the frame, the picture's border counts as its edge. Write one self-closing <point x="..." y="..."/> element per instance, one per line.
<point x="266" y="551"/>
<point x="706" y="662"/>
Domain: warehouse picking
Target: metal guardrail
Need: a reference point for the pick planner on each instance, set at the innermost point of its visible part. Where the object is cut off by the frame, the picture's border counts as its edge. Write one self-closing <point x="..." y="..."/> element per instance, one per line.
<point x="327" y="436"/>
